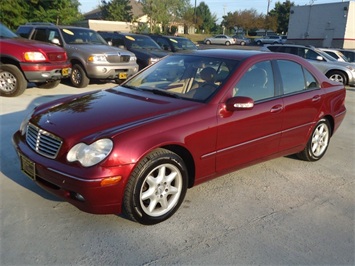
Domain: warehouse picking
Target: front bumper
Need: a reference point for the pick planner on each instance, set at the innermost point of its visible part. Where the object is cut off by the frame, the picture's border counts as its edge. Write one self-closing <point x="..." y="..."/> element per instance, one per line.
<point x="111" y="72"/>
<point x="82" y="187"/>
<point x="45" y="72"/>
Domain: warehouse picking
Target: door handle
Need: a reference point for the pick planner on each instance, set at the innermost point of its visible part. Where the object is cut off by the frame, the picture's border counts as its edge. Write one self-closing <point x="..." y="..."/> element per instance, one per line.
<point x="276" y="108"/>
<point x="316" y="98"/>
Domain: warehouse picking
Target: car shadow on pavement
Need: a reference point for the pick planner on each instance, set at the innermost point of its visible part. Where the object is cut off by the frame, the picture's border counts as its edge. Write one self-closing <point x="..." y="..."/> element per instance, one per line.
<point x="9" y="161"/>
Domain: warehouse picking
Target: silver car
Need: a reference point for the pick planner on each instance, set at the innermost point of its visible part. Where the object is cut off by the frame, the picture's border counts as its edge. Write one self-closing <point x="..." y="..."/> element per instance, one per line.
<point x="220" y="39"/>
<point x="272" y="39"/>
<point x="335" y="53"/>
<point x="343" y="72"/>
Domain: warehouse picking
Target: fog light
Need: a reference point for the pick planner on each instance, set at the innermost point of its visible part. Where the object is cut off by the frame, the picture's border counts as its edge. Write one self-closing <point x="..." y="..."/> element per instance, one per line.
<point x="77" y="196"/>
<point x="104" y="70"/>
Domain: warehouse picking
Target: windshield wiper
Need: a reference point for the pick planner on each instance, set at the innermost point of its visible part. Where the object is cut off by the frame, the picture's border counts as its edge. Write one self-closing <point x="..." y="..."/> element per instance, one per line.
<point x="165" y="93"/>
<point x="161" y="92"/>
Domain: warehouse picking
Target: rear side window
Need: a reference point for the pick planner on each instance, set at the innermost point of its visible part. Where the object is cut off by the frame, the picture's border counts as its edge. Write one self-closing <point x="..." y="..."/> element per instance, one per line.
<point x="24" y="32"/>
<point x="294" y="77"/>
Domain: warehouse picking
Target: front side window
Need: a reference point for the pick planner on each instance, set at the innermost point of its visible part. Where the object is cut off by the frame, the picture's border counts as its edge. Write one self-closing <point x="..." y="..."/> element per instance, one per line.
<point x="257" y="83"/>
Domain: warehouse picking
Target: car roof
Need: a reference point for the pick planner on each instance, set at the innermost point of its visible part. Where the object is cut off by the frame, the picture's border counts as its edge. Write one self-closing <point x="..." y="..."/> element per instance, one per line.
<point x="244" y="54"/>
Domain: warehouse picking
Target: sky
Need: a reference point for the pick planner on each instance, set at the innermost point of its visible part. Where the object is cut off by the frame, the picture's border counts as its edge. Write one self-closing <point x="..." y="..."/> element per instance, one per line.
<point x="222" y="7"/>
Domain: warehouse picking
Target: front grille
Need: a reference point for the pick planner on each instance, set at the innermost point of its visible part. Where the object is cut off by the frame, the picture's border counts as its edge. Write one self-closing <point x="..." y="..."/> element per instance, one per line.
<point x="42" y="141"/>
<point x="118" y="59"/>
<point x="57" y="56"/>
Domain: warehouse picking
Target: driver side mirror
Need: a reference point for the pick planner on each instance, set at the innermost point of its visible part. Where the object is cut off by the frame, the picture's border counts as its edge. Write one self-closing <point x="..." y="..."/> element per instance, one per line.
<point x="239" y="103"/>
<point x="55" y="41"/>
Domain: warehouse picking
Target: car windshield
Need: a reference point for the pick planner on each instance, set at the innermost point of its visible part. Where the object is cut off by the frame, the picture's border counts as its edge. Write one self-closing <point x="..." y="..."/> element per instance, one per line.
<point x="81" y="36"/>
<point x="327" y="56"/>
<point x="184" y="76"/>
<point x="183" y="44"/>
<point x="6" y="32"/>
<point x="141" y="42"/>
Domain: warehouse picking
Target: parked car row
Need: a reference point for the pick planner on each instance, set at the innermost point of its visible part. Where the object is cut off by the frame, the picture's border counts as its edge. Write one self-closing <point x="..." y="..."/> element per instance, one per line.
<point x="227" y="40"/>
<point x="82" y="55"/>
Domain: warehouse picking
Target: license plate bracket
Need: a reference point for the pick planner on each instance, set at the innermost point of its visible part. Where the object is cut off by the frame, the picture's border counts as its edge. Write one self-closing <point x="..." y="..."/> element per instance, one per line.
<point x="122" y="75"/>
<point x="65" y="72"/>
<point x="28" y="167"/>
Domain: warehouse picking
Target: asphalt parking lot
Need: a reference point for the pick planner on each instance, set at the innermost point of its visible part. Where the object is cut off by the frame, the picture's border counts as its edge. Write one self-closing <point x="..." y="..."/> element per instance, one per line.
<point x="281" y="212"/>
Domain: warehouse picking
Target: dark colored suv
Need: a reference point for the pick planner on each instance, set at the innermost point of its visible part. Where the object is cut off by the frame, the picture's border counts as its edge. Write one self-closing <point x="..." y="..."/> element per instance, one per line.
<point x="89" y="53"/>
<point x="23" y="61"/>
<point x="145" y="48"/>
<point x="174" y="43"/>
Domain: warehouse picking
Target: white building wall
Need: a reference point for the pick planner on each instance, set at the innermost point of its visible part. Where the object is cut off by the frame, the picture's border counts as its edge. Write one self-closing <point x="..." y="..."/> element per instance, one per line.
<point x="323" y="25"/>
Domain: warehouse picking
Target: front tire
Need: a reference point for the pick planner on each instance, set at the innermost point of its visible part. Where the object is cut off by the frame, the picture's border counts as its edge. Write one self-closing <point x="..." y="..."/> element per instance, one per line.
<point x="337" y="76"/>
<point x="12" y="81"/>
<point x="318" y="143"/>
<point x="156" y="188"/>
<point x="78" y="77"/>
<point x="228" y="43"/>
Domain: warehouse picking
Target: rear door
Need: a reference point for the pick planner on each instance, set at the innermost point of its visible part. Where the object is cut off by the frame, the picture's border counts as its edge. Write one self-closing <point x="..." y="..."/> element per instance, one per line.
<point x="302" y="100"/>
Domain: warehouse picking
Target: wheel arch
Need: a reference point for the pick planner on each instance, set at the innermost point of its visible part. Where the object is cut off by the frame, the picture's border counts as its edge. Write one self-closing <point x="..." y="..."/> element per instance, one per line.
<point x="187" y="158"/>
<point x="331" y="123"/>
<point x="11" y="61"/>
<point x="338" y="70"/>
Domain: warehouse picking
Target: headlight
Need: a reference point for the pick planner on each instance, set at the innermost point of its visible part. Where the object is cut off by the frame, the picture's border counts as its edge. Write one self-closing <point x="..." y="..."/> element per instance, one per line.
<point x="34" y="56"/>
<point x="350" y="68"/>
<point x="97" y="58"/>
<point x="153" y="60"/>
<point x="89" y="155"/>
<point x="133" y="59"/>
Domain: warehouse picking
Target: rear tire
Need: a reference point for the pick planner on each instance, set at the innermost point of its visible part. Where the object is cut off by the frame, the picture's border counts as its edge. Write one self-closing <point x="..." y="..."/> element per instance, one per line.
<point x="78" y="77"/>
<point x="156" y="188"/>
<point x="12" y="81"/>
<point x="318" y="142"/>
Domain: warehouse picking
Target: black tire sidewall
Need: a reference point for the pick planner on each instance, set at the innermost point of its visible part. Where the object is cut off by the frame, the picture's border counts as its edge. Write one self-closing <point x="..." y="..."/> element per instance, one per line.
<point x="310" y="155"/>
<point x="20" y="79"/>
<point x="155" y="161"/>
<point x="84" y="82"/>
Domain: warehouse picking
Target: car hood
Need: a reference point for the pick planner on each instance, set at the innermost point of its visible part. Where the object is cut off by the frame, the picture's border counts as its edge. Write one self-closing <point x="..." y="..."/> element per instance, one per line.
<point x="28" y="44"/>
<point x="105" y="113"/>
<point x="97" y="49"/>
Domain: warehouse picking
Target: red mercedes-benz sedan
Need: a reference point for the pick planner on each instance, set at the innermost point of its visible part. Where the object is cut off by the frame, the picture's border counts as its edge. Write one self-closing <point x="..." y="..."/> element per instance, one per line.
<point x="182" y="121"/>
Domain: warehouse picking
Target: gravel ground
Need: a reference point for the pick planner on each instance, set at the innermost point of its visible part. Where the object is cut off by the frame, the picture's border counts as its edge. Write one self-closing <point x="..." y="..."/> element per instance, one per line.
<point x="281" y="212"/>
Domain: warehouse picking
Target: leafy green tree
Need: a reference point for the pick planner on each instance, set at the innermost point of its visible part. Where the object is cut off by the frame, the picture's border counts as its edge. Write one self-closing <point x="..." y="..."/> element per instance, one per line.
<point x="117" y="10"/>
<point x="281" y="13"/>
<point x="63" y="12"/>
<point x="245" y="19"/>
<point x="13" y="13"/>
<point x="164" y="12"/>
<point x="208" y="20"/>
<point x="55" y="11"/>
